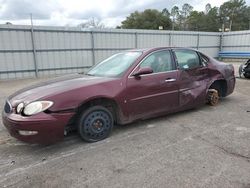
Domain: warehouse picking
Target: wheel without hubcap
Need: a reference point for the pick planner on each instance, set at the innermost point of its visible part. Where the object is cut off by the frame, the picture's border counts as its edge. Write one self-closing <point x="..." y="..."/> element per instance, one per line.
<point x="95" y="124"/>
<point x="213" y="97"/>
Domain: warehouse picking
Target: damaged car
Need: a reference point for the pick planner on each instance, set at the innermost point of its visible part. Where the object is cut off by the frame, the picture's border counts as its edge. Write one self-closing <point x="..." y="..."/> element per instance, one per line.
<point x="128" y="86"/>
<point x="244" y="69"/>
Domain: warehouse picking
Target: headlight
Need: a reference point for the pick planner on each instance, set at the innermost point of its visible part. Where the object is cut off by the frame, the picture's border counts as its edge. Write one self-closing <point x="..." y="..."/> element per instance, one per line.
<point x="36" y="107"/>
<point x="19" y="108"/>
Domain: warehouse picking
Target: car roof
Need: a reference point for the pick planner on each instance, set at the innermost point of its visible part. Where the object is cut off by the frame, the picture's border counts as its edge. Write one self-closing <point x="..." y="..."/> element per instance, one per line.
<point x="144" y="50"/>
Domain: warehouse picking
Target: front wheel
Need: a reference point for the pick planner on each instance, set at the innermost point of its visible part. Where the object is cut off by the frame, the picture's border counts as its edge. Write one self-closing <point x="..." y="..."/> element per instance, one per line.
<point x="95" y="124"/>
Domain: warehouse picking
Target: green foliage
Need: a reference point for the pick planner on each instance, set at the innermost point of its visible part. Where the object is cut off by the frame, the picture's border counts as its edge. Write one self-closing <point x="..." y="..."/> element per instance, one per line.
<point x="199" y="21"/>
<point x="165" y="12"/>
<point x="148" y="19"/>
<point x="186" y="10"/>
<point x="175" y="13"/>
<point x="234" y="14"/>
<point x="196" y="20"/>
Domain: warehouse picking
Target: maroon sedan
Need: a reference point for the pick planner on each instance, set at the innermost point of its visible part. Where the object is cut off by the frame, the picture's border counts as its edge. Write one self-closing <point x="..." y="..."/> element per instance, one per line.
<point x="128" y="86"/>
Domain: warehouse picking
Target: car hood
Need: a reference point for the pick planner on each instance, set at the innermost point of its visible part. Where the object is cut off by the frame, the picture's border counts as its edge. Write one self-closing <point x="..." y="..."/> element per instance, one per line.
<point x="54" y="86"/>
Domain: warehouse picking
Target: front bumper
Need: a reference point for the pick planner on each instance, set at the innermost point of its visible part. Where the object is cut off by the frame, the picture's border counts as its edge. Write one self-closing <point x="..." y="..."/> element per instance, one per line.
<point x="49" y="127"/>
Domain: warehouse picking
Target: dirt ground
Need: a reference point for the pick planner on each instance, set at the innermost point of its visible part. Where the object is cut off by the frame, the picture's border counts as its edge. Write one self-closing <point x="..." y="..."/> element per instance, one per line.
<point x="205" y="147"/>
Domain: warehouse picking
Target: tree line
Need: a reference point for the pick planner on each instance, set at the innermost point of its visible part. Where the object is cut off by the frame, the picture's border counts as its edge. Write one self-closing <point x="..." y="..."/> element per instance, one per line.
<point x="232" y="15"/>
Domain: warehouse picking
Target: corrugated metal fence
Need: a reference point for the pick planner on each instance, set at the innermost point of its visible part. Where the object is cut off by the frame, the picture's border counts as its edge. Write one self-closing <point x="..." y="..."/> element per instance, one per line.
<point x="42" y="51"/>
<point x="238" y="41"/>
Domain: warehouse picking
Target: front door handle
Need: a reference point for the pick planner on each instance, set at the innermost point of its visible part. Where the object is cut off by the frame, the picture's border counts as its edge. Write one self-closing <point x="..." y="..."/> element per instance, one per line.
<point x="170" y="80"/>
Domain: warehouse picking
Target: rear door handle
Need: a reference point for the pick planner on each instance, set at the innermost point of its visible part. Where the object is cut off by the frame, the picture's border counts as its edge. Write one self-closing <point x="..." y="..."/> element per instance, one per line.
<point x="170" y="80"/>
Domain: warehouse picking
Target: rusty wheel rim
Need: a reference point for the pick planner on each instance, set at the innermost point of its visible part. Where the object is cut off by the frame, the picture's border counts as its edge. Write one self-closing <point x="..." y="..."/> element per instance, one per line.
<point x="214" y="98"/>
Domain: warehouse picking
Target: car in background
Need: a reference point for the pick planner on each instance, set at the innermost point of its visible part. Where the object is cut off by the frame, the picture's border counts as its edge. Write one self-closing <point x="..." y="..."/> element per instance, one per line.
<point x="128" y="86"/>
<point x="244" y="69"/>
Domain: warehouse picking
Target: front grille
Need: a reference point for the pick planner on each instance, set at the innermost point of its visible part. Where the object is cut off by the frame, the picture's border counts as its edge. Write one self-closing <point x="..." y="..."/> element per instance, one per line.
<point x="7" y="107"/>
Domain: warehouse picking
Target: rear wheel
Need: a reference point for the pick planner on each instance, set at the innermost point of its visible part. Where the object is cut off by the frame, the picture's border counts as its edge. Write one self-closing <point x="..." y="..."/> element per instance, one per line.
<point x="95" y="124"/>
<point x="213" y="97"/>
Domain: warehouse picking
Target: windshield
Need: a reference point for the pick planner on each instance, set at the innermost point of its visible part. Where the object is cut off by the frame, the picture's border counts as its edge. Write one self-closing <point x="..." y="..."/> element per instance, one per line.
<point x="115" y="65"/>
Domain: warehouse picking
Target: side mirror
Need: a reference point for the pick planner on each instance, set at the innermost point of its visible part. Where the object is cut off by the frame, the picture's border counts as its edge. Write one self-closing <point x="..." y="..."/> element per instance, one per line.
<point x="143" y="70"/>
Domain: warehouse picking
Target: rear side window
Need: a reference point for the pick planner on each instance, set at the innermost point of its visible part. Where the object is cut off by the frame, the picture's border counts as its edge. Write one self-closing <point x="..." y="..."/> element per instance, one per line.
<point x="187" y="59"/>
<point x="204" y="59"/>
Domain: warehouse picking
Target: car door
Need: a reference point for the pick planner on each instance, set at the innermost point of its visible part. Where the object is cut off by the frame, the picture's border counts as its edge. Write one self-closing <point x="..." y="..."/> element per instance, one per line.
<point x="193" y="78"/>
<point x="153" y="93"/>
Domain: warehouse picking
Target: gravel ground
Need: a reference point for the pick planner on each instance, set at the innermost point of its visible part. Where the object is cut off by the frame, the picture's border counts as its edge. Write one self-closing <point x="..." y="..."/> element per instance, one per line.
<point x="205" y="147"/>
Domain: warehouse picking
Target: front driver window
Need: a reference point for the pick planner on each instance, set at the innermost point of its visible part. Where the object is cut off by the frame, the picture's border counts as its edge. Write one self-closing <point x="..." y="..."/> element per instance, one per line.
<point x="187" y="59"/>
<point x="159" y="61"/>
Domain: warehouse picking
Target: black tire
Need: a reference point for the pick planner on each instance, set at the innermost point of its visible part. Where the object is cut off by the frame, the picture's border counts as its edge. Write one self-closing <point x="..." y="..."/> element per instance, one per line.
<point x="95" y="124"/>
<point x="247" y="75"/>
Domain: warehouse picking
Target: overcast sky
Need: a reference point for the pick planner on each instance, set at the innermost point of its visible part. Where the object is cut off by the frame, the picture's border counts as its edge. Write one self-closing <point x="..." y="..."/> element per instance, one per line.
<point x="73" y="12"/>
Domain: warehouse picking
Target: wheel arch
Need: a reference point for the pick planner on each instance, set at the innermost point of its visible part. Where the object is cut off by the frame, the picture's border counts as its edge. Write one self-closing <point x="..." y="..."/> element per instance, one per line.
<point x="109" y="103"/>
<point x="220" y="85"/>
